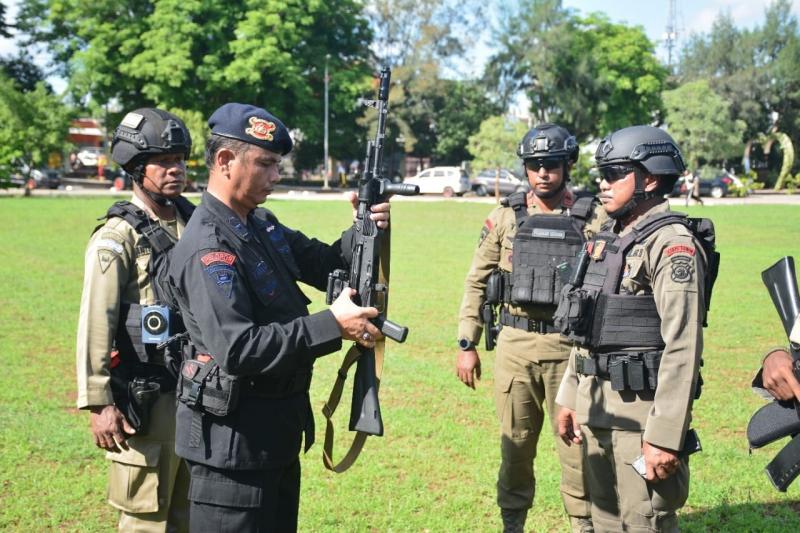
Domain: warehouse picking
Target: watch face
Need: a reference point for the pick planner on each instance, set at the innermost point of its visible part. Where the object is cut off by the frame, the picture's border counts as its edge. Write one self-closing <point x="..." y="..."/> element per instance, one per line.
<point x="464" y="344"/>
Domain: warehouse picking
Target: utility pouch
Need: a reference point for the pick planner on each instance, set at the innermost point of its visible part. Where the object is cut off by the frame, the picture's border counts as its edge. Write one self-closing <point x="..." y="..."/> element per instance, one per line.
<point x="652" y="360"/>
<point x="494" y="287"/>
<point x="205" y="387"/>
<point x="635" y="374"/>
<point x="142" y="395"/>
<point x="573" y="317"/>
<point x="616" y="372"/>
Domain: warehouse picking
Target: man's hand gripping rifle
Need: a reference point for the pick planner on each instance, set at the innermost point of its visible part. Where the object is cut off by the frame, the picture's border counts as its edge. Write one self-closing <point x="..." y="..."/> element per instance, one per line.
<point x="780" y="419"/>
<point x="368" y="275"/>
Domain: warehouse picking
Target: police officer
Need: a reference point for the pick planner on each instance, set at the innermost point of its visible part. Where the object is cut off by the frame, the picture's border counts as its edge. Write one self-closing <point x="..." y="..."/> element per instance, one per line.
<point x="630" y="384"/>
<point x="235" y="274"/>
<point x="122" y="381"/>
<point x="531" y="355"/>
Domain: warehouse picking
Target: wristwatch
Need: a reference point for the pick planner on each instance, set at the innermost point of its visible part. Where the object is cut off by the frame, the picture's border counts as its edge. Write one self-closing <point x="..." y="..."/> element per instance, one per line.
<point x="466" y="345"/>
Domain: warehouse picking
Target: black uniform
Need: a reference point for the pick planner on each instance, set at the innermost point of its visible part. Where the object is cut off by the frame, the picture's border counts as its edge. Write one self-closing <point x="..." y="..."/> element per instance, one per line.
<point x="236" y="284"/>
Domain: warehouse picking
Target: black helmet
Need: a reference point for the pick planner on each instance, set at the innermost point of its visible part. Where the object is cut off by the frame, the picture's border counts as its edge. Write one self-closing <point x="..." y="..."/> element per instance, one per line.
<point x="146" y="132"/>
<point x="650" y="147"/>
<point x="548" y="140"/>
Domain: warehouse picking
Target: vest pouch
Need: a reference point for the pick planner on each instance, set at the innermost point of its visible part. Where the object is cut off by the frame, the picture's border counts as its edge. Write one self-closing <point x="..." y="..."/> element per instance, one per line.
<point x="205" y="387"/>
<point x="573" y="317"/>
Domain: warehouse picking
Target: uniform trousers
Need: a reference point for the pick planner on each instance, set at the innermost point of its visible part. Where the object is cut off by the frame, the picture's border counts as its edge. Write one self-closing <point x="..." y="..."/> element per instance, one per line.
<point x="622" y="500"/>
<point x="148" y="483"/>
<point x="239" y="501"/>
<point x="521" y="402"/>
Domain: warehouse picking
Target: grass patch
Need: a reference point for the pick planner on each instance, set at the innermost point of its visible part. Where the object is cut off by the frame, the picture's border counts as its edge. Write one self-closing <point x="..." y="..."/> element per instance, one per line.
<point x="436" y="467"/>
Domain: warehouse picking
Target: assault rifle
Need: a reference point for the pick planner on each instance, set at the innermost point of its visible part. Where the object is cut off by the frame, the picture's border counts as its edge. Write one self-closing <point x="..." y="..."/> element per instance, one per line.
<point x="779" y="419"/>
<point x="369" y="276"/>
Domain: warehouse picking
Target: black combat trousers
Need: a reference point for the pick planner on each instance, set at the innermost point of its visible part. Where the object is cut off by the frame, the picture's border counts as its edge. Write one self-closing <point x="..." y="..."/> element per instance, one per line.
<point x="255" y="501"/>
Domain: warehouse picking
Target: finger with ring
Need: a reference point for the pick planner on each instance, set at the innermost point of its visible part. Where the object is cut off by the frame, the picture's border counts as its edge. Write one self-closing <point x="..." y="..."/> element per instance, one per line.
<point x="366" y="336"/>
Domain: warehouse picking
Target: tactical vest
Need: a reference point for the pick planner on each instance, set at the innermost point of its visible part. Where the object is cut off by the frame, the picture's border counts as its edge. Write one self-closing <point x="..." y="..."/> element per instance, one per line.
<point x="593" y="312"/>
<point x="545" y="248"/>
<point x="128" y="337"/>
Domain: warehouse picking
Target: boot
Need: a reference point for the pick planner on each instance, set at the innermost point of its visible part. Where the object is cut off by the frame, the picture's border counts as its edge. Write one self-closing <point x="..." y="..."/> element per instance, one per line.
<point x="513" y="520"/>
<point x="581" y="524"/>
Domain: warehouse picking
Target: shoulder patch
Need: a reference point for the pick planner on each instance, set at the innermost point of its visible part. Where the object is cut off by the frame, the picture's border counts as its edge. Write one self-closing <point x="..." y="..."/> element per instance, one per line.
<point x="679" y="249"/>
<point x="105" y="258"/>
<point x="682" y="269"/>
<point x="218" y="257"/>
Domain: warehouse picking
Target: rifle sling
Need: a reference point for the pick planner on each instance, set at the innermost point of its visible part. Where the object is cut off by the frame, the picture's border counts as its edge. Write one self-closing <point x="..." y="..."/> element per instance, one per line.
<point x="341" y="376"/>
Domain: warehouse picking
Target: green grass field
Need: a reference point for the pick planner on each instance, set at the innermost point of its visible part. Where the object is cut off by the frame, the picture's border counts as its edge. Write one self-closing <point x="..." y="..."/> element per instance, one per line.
<point x="435" y="468"/>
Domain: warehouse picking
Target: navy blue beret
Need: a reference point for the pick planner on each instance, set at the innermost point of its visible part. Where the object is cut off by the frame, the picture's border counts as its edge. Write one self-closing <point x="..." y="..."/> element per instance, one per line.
<point x="252" y="125"/>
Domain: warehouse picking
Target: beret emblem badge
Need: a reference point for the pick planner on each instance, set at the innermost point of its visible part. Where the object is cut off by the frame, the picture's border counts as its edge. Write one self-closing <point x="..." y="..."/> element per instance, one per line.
<point x="260" y="129"/>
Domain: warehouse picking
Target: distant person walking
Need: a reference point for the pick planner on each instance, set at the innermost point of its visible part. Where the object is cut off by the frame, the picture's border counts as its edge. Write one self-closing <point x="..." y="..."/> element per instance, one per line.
<point x="692" y="182"/>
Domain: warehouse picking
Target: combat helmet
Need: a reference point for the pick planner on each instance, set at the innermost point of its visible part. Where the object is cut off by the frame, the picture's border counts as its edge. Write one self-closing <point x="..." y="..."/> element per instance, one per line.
<point x="648" y="150"/>
<point x="146" y="132"/>
<point x="548" y="140"/>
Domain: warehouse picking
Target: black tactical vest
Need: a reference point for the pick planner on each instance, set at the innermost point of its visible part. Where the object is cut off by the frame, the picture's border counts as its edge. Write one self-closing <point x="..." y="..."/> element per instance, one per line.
<point x="593" y="312"/>
<point x="545" y="248"/>
<point x="128" y="337"/>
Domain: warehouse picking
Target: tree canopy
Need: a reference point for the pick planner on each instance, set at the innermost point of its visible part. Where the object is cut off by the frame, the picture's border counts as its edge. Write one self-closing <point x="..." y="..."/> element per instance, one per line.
<point x="200" y="54"/>
<point x="587" y="73"/>
<point x="700" y="121"/>
<point x="33" y="124"/>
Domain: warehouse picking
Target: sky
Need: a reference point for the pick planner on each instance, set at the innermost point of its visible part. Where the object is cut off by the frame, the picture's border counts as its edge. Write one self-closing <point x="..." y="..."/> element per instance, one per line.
<point x="694" y="16"/>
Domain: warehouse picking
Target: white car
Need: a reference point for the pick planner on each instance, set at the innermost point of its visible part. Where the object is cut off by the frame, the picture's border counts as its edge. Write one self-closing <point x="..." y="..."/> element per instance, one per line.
<point x="446" y="181"/>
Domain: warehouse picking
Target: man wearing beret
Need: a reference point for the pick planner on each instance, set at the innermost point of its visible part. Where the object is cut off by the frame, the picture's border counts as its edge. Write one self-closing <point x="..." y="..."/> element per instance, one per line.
<point x="243" y="399"/>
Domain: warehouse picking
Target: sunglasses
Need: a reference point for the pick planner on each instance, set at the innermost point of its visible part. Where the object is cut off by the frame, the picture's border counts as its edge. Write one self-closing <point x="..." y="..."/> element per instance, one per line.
<point x="548" y="164"/>
<point x="615" y="172"/>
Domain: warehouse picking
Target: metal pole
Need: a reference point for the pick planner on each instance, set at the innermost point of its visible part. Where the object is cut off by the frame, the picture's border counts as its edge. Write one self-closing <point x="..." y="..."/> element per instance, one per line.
<point x="327" y="161"/>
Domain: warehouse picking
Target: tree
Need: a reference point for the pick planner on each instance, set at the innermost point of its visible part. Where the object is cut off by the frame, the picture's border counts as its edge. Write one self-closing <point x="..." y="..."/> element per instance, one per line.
<point x="701" y="123"/>
<point x="586" y="73"/>
<point x="459" y="110"/>
<point x="495" y="143"/>
<point x="198" y="54"/>
<point x="33" y="124"/>
<point x="23" y="71"/>
<point x="420" y="40"/>
<point x="755" y="70"/>
<point x="4" y="26"/>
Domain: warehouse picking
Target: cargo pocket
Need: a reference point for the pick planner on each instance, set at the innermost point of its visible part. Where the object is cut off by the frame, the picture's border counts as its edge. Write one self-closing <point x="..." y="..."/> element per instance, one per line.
<point x="133" y="478"/>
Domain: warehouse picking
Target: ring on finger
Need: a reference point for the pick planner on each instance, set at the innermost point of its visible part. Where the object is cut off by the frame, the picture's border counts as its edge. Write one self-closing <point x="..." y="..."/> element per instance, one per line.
<point x="366" y="336"/>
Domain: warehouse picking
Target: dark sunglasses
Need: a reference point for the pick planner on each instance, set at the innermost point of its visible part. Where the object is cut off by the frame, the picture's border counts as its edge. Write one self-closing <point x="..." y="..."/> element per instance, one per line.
<point x="615" y="172"/>
<point x="548" y="164"/>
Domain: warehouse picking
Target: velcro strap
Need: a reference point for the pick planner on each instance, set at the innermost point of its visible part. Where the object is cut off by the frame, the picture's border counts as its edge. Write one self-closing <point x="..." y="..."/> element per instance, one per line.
<point x="196" y="428"/>
<point x="526" y="324"/>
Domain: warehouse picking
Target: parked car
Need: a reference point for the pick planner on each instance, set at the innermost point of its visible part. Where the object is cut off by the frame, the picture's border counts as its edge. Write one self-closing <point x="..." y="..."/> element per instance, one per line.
<point x="88" y="156"/>
<point x="716" y="187"/>
<point x="509" y="182"/>
<point x="44" y="178"/>
<point x="441" y="180"/>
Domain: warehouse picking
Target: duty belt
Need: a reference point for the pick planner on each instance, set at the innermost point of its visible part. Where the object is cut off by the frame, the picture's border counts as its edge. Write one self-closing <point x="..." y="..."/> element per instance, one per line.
<point x="626" y="370"/>
<point x="526" y="324"/>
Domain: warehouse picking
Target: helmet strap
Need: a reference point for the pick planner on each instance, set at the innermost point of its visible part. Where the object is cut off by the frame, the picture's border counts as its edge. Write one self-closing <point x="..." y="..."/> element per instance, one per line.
<point x="137" y="175"/>
<point x="639" y="195"/>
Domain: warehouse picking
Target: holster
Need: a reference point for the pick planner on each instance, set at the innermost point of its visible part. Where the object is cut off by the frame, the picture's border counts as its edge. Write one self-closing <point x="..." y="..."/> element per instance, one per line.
<point x="142" y="395"/>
